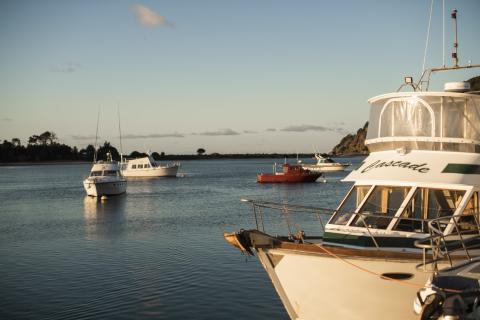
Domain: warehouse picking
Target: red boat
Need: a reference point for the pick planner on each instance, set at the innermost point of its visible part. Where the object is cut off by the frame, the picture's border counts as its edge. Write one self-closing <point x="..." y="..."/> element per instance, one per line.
<point x="290" y="174"/>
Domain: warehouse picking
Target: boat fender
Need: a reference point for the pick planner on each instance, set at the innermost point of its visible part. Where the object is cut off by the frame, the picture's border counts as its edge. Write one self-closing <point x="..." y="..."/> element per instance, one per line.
<point x="427" y="302"/>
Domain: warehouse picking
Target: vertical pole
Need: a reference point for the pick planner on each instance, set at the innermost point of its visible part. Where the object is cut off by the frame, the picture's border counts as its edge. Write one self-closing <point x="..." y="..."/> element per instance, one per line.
<point x="120" y="133"/>
<point x="443" y="27"/>
<point x="96" y="136"/>
<point x="455" y="44"/>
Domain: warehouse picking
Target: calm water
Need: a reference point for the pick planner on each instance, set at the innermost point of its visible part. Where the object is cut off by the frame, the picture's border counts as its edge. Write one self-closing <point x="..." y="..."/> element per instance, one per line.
<point x="155" y="253"/>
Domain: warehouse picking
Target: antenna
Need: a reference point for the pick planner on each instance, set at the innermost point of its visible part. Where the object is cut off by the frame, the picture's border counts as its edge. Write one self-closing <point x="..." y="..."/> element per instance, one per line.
<point x="120" y="132"/>
<point x="443" y="34"/>
<point x="96" y="136"/>
<point x="428" y="37"/>
<point x="455" y="44"/>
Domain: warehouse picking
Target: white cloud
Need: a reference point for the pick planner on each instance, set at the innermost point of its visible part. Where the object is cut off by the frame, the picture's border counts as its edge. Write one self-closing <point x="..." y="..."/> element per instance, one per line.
<point x="149" y="18"/>
<point x="305" y="127"/>
<point x="221" y="132"/>
<point x="66" y="67"/>
<point x="84" y="137"/>
<point x="153" y="135"/>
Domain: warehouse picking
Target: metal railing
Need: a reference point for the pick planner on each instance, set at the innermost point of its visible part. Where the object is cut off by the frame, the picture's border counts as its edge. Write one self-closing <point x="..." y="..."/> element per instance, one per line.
<point x="259" y="212"/>
<point x="462" y="242"/>
<point x="464" y="235"/>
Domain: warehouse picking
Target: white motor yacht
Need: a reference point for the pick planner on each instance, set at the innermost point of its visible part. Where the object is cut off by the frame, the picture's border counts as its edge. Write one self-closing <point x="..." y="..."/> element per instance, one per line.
<point x="105" y="179"/>
<point x="148" y="167"/>
<point x="325" y="165"/>
<point x="420" y="182"/>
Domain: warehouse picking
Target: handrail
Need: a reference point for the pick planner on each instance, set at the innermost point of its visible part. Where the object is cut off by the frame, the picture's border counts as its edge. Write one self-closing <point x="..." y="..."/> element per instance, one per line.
<point x="286" y="209"/>
<point x="446" y="246"/>
<point x="442" y="246"/>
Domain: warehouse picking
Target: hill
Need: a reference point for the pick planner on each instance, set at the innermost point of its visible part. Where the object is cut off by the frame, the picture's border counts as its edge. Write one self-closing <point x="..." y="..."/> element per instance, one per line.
<point x="352" y="144"/>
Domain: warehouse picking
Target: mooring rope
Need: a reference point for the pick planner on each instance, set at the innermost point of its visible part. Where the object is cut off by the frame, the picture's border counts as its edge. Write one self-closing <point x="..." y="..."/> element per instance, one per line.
<point x="402" y="282"/>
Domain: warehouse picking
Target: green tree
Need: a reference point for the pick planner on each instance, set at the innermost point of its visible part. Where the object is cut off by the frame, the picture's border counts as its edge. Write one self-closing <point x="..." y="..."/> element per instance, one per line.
<point x="16" y="142"/>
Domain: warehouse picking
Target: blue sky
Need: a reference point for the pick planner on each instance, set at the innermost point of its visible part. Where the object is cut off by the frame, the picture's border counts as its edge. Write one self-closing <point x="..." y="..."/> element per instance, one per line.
<point x="228" y="76"/>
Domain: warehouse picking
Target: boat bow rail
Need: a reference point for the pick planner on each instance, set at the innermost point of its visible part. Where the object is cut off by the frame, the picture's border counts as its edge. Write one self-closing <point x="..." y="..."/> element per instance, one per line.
<point x="278" y="216"/>
<point x="463" y="242"/>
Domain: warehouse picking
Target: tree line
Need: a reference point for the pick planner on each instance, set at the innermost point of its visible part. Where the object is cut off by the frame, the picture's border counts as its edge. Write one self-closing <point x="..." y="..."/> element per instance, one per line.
<point x="45" y="147"/>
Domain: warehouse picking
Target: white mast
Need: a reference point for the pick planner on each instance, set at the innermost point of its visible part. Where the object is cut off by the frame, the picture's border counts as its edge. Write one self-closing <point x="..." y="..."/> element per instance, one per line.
<point x="96" y="136"/>
<point x="120" y="133"/>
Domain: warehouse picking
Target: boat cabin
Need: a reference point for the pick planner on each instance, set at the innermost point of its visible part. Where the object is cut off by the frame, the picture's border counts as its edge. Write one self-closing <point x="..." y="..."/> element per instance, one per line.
<point x="105" y="169"/>
<point x="140" y="163"/>
<point x="404" y="208"/>
<point x="424" y="165"/>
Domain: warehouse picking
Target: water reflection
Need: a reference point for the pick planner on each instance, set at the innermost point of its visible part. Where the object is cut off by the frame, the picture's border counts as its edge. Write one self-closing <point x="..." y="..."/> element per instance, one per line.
<point x="104" y="219"/>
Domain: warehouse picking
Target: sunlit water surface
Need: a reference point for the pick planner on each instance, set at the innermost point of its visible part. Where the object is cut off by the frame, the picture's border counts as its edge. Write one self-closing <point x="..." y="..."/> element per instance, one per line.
<point x="155" y="253"/>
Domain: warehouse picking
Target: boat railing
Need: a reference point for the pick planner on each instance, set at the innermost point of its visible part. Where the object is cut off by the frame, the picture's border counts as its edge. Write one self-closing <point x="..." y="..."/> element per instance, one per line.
<point x="291" y="216"/>
<point x="288" y="211"/>
<point x="461" y="243"/>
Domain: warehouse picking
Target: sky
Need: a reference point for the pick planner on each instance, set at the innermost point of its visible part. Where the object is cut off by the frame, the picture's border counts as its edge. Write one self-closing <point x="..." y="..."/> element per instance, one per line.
<point x="227" y="76"/>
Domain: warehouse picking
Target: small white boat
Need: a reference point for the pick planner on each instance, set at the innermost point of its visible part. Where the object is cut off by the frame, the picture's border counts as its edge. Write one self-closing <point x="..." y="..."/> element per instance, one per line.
<point x="148" y="167"/>
<point x="325" y="165"/>
<point x="105" y="179"/>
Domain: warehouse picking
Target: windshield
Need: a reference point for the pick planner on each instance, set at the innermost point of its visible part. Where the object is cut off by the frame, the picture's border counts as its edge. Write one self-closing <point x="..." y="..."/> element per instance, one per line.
<point x="351" y="202"/>
<point x="382" y="204"/>
<point x="428" y="204"/>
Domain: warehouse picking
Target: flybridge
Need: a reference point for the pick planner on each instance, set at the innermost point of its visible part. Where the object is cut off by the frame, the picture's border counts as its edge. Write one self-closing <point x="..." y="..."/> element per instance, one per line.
<point x="436" y="121"/>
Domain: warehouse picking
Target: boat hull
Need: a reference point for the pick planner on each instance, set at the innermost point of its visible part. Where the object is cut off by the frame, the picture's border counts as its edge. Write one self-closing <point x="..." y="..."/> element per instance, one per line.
<point x="322" y="168"/>
<point x="170" y="171"/>
<point x="109" y="188"/>
<point x="288" y="178"/>
<point x="325" y="287"/>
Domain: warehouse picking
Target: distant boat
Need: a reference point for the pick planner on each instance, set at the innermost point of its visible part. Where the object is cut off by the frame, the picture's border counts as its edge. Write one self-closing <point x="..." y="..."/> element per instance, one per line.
<point x="325" y="165"/>
<point x="148" y="167"/>
<point x="289" y="174"/>
<point x="105" y="179"/>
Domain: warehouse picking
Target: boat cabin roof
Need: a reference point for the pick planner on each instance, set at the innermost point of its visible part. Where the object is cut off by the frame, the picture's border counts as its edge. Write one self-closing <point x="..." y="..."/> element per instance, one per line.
<point x="404" y="167"/>
<point x="145" y="160"/>
<point x="105" y="165"/>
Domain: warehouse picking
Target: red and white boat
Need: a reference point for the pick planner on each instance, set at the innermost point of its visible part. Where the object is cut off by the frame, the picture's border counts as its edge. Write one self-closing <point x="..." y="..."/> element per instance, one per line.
<point x="290" y="174"/>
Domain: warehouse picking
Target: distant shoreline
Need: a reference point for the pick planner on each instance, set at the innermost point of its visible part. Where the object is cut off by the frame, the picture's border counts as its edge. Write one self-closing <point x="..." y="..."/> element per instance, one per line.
<point x="187" y="157"/>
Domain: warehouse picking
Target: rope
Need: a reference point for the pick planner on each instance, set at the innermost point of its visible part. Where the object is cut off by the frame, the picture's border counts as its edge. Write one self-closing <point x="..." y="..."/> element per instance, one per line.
<point x="402" y="282"/>
<point x="428" y="36"/>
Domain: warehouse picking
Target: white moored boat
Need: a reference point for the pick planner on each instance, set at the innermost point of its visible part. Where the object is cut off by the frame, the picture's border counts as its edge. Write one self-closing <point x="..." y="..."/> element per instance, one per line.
<point x="148" y="167"/>
<point x="105" y="179"/>
<point x="420" y="182"/>
<point x="325" y="165"/>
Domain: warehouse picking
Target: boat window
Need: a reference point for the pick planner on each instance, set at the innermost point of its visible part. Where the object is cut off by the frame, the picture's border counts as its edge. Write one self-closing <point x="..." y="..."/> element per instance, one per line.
<point x="406" y="117"/>
<point x="352" y="201"/>
<point x="134" y="166"/>
<point x="146" y="166"/>
<point x="428" y="204"/>
<point x="96" y="173"/>
<point x="110" y="172"/>
<point x="381" y="206"/>
<point x="140" y="166"/>
<point x="470" y="218"/>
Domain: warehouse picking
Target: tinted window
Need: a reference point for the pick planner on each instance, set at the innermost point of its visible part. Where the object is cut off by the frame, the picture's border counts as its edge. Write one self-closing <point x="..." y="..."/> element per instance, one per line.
<point x="382" y="204"/>
<point x="348" y="207"/>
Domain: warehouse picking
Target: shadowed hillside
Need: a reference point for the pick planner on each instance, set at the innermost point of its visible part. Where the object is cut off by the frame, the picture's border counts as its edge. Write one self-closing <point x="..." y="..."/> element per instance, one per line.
<point x="352" y="143"/>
